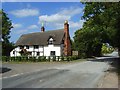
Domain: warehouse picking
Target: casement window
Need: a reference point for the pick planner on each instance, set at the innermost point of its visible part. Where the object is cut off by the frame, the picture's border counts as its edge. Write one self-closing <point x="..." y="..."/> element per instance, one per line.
<point x="52" y="53"/>
<point x="27" y="47"/>
<point x="36" y="46"/>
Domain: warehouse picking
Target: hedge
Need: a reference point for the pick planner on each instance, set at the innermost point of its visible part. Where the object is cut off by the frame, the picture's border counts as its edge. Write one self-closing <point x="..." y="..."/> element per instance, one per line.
<point x="39" y="59"/>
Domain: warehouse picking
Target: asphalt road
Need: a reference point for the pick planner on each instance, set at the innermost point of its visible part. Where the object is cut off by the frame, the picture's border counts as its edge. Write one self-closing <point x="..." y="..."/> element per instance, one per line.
<point x="74" y="75"/>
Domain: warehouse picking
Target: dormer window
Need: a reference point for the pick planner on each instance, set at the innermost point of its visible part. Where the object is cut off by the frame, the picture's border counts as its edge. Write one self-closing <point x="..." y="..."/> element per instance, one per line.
<point x="50" y="41"/>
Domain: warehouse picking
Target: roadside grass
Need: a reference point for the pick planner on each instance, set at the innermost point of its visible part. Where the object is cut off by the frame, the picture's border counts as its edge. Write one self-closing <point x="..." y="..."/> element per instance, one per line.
<point x="46" y="62"/>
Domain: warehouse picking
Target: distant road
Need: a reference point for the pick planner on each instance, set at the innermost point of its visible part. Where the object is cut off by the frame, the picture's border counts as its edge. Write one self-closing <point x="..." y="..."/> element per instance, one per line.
<point x="113" y="54"/>
<point x="74" y="75"/>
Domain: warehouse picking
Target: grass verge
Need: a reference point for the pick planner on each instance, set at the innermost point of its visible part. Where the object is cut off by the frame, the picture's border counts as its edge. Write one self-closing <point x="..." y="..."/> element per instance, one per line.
<point x="73" y="61"/>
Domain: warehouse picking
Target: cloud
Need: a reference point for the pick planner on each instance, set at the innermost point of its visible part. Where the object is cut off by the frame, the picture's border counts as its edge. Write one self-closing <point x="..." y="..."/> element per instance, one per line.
<point x="71" y="11"/>
<point x="78" y="24"/>
<point x="33" y="27"/>
<point x="16" y="25"/>
<point x="72" y="24"/>
<point x="53" y="18"/>
<point x="25" y="12"/>
<point x="60" y="17"/>
<point x="57" y="19"/>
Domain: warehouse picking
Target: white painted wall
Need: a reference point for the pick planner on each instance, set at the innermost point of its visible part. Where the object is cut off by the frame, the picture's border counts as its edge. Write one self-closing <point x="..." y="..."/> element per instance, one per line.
<point x="16" y="52"/>
<point x="44" y="51"/>
<point x="49" y="48"/>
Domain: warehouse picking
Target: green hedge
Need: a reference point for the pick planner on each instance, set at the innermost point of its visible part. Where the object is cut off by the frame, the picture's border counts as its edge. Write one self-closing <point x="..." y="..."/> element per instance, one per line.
<point x="38" y="59"/>
<point x="5" y="58"/>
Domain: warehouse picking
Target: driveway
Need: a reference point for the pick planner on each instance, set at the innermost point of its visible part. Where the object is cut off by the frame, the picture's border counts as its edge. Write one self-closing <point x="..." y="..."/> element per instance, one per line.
<point x="84" y="74"/>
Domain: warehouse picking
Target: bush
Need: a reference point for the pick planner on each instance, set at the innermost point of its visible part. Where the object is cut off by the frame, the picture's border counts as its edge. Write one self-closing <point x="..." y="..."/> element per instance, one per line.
<point x="24" y="58"/>
<point x="62" y="58"/>
<point x="5" y="58"/>
<point x="68" y="58"/>
<point x="82" y="55"/>
<point x="39" y="58"/>
<point x="43" y="58"/>
<point x="12" y="59"/>
<point x="54" y="58"/>
<point x="57" y="58"/>
<point x="18" y="58"/>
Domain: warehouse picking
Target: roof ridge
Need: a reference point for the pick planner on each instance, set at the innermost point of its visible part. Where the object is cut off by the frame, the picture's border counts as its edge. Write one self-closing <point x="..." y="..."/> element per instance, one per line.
<point x="44" y="31"/>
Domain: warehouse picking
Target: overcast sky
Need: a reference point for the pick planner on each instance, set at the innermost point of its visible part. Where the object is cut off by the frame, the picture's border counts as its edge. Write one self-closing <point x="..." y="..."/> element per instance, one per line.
<point x="27" y="17"/>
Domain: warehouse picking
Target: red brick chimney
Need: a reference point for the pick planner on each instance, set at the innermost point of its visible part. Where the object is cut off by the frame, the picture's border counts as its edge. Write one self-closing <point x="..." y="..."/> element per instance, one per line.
<point x="67" y="42"/>
<point x="42" y="28"/>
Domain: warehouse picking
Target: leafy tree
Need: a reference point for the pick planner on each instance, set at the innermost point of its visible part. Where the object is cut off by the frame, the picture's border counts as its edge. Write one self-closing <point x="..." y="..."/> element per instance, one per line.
<point x="101" y="26"/>
<point x="73" y="45"/>
<point x="107" y="16"/>
<point x="7" y="46"/>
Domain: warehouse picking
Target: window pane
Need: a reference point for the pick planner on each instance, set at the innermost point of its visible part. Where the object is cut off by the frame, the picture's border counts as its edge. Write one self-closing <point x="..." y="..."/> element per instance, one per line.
<point x="27" y="47"/>
<point x="35" y="46"/>
<point x="52" y="53"/>
<point x="13" y="52"/>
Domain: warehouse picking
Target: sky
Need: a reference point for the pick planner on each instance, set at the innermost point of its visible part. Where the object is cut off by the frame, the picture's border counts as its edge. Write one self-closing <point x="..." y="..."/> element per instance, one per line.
<point x="27" y="17"/>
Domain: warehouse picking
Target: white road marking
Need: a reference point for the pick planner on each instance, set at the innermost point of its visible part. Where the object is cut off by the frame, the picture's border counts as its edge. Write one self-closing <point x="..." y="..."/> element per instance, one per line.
<point x="19" y="74"/>
<point x="12" y="76"/>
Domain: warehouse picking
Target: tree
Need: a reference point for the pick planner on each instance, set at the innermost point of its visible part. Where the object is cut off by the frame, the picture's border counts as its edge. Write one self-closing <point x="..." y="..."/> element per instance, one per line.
<point x="101" y="26"/>
<point x="107" y="16"/>
<point x="7" y="46"/>
<point x="88" y="41"/>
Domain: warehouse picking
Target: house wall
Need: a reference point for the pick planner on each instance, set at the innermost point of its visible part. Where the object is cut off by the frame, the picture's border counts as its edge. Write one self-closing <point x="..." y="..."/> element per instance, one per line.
<point x="44" y="50"/>
<point x="16" y="52"/>
<point x="49" y="48"/>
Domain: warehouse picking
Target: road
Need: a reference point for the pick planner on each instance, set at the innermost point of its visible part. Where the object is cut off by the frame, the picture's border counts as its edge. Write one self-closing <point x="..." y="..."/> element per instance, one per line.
<point x="74" y="75"/>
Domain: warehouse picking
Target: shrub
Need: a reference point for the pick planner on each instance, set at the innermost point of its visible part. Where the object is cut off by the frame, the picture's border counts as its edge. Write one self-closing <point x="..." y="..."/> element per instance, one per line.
<point x="5" y="58"/>
<point x="34" y="59"/>
<point x="82" y="55"/>
<point x="62" y="58"/>
<point x="68" y="58"/>
<point x="57" y="58"/>
<point x="39" y="58"/>
<point x="43" y="58"/>
<point x="12" y="59"/>
<point x="18" y="58"/>
<point x="24" y="58"/>
<point x="54" y="58"/>
<point x="48" y="58"/>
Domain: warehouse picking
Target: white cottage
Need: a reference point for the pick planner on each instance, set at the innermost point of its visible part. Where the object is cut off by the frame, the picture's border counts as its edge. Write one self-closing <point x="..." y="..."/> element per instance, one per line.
<point x="44" y="43"/>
